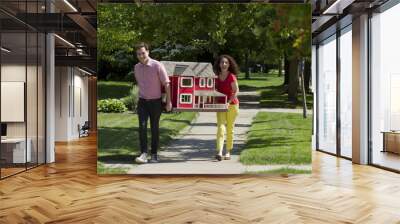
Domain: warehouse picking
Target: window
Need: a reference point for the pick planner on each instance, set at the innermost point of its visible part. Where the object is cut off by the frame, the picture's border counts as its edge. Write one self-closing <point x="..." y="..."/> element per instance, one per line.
<point x="346" y="92"/>
<point x="202" y="82"/>
<point x="333" y="137"/>
<point x="209" y="82"/>
<point x="186" y="98"/>
<point x="385" y="88"/>
<point x="23" y="76"/>
<point x="186" y="82"/>
<point x="327" y="95"/>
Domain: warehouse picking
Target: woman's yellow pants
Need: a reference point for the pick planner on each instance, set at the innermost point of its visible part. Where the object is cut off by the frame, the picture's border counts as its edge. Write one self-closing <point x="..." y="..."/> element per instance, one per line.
<point x="226" y="121"/>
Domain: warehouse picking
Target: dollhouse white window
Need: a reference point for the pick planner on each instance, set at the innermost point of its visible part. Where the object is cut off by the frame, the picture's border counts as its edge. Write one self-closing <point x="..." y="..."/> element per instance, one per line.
<point x="209" y="82"/>
<point x="202" y="82"/>
<point x="186" y="82"/>
<point x="185" y="98"/>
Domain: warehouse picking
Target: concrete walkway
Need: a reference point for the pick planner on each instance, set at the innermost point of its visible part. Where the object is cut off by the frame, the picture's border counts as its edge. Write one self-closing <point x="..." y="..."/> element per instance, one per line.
<point x="193" y="152"/>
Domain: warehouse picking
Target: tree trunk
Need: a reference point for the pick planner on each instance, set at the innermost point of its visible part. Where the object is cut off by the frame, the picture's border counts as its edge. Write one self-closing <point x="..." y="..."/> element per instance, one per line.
<point x="280" y="64"/>
<point x="307" y="75"/>
<point x="246" y="61"/>
<point x="286" y="69"/>
<point x="303" y="89"/>
<point x="293" y="80"/>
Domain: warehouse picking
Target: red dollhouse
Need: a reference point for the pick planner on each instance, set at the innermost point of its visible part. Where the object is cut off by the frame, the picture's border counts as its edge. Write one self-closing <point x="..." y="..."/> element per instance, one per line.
<point x="193" y="87"/>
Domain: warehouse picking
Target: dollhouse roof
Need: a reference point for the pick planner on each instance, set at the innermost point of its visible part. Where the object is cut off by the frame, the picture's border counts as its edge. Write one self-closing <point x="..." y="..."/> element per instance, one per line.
<point x="207" y="93"/>
<point x="197" y="69"/>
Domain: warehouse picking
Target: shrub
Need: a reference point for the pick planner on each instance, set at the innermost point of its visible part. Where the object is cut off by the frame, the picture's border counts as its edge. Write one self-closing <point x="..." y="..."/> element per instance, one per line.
<point x="112" y="77"/>
<point x="130" y="77"/>
<point x="131" y="100"/>
<point x="111" y="106"/>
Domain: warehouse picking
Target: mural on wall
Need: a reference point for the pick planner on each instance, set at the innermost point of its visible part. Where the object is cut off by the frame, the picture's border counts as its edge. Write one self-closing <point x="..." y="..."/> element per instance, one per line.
<point x="224" y="62"/>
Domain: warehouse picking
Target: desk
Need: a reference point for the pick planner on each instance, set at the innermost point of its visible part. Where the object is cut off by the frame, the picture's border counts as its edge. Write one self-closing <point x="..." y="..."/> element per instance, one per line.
<point x="391" y="141"/>
<point x="13" y="150"/>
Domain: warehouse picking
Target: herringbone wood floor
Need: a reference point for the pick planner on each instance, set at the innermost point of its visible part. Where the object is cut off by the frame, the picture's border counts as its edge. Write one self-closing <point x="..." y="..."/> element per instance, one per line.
<point x="70" y="191"/>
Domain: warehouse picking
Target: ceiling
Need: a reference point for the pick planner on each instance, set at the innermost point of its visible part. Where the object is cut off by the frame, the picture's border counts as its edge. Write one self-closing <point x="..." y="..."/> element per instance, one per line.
<point x="203" y="1"/>
<point x="74" y="22"/>
<point x="325" y="16"/>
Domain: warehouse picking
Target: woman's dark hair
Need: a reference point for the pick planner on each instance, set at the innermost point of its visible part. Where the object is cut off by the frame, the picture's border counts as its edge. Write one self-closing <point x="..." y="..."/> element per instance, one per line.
<point x="233" y="67"/>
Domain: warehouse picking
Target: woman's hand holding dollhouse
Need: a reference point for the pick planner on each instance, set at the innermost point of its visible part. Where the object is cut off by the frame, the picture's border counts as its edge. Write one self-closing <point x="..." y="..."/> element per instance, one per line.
<point x="235" y="90"/>
<point x="228" y="103"/>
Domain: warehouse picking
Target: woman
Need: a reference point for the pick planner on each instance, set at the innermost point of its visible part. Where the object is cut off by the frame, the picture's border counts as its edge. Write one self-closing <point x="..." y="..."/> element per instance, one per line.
<point x="226" y="69"/>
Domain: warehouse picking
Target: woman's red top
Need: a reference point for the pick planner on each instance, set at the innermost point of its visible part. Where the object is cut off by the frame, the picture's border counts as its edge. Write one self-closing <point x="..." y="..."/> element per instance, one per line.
<point x="225" y="87"/>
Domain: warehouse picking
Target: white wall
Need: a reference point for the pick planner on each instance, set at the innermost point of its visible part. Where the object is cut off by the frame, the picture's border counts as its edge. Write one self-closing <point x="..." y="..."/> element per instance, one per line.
<point x="71" y="87"/>
<point x="13" y="101"/>
<point x="62" y="82"/>
<point x="33" y="126"/>
<point x="80" y="84"/>
<point x="14" y="72"/>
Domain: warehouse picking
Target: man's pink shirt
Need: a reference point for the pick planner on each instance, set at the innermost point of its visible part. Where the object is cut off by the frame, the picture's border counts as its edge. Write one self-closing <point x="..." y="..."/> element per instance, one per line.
<point x="150" y="78"/>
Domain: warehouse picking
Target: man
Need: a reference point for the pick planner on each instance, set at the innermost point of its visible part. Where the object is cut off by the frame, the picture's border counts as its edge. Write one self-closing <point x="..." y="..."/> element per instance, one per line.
<point x="150" y="77"/>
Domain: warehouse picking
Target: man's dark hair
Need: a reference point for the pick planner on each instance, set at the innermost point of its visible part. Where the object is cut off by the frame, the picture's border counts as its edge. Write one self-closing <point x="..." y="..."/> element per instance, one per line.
<point x="140" y="45"/>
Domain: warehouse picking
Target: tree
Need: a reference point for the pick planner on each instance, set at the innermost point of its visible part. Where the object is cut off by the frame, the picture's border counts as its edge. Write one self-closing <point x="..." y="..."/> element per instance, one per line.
<point x="293" y="26"/>
<point x="252" y="33"/>
<point x="303" y="88"/>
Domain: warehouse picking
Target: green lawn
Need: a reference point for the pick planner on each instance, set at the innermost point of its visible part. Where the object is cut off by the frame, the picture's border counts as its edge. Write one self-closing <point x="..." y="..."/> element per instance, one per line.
<point x="101" y="169"/>
<point x="257" y="81"/>
<point x="271" y="90"/>
<point x="118" y="140"/>
<point x="278" y="138"/>
<point x="118" y="134"/>
<point x="113" y="89"/>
